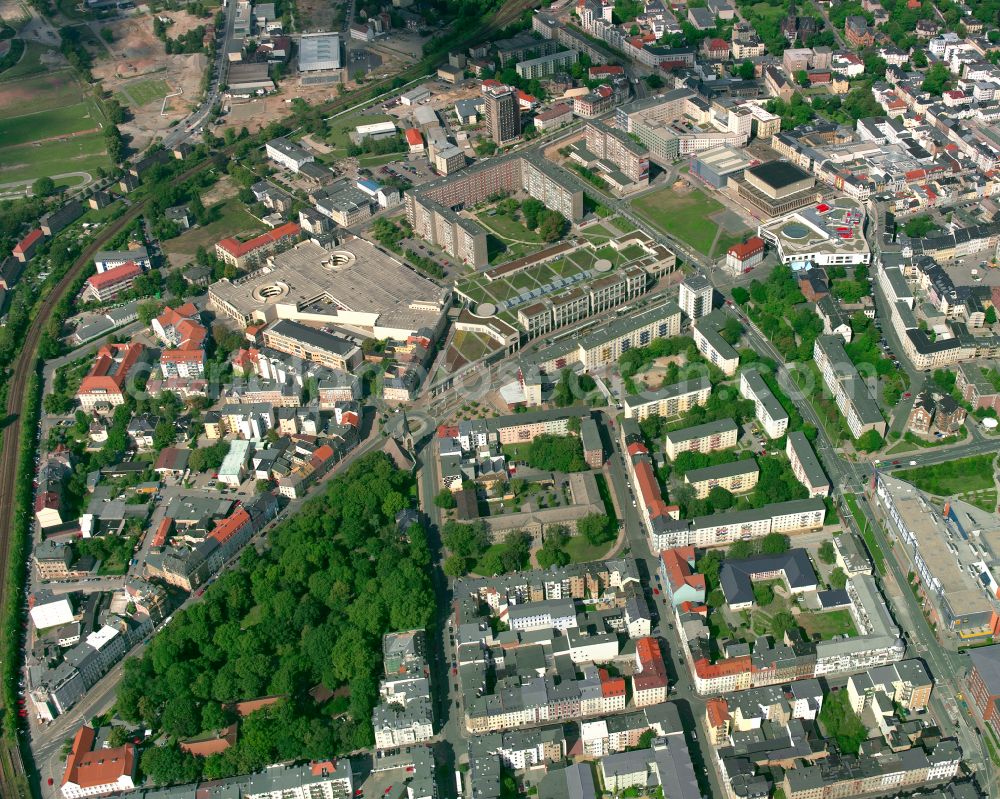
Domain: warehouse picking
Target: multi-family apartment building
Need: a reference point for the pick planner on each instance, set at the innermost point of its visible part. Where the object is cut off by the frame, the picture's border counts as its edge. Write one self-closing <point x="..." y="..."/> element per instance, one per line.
<point x="905" y="683"/>
<point x="546" y="65"/>
<point x="708" y="338"/>
<point x="983" y="682"/>
<point x="708" y="437"/>
<point x="430" y="209"/>
<point x="669" y="400"/>
<point x="103" y="388"/>
<point x="105" y="286"/>
<point x="737" y="477"/>
<point x="695" y="295"/>
<point x="620" y="149"/>
<point x="602" y="346"/>
<point x="679" y="580"/>
<point x="248" y="254"/>
<point x="767" y="409"/>
<point x="805" y="465"/>
<point x="849" y="390"/>
<point x="649" y="681"/>
<point x="877" y="644"/>
<point x="503" y="112"/>
<point x="883" y="771"/>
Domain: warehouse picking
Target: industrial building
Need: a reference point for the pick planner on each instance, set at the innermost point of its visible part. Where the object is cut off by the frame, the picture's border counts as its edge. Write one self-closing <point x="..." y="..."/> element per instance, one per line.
<point x="320" y="58"/>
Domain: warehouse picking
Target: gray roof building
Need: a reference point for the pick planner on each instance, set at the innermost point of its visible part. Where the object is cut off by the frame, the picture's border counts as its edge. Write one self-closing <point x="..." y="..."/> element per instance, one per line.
<point x="737" y="576"/>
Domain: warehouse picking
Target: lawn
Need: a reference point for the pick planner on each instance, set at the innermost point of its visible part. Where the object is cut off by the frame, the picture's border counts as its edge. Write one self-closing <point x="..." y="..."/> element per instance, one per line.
<point x="580" y="550"/>
<point x="685" y="216"/>
<point x="597" y="234"/>
<point x="144" y="91"/>
<point x="873" y="548"/>
<point x="342" y="127"/>
<point x="84" y="153"/>
<point x="952" y="477"/>
<point x="233" y="220"/>
<point x="30" y="63"/>
<point x="54" y="122"/>
<point x="827" y="625"/>
<point x="379" y="160"/>
<point x="508" y="229"/>
<point x="624" y="225"/>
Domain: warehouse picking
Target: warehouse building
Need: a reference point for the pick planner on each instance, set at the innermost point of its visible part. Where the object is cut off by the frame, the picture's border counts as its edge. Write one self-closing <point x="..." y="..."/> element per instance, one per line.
<point x="320" y="58"/>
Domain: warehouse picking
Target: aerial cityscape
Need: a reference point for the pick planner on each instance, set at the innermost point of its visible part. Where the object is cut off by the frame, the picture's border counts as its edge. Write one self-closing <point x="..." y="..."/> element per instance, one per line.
<point x="494" y="399"/>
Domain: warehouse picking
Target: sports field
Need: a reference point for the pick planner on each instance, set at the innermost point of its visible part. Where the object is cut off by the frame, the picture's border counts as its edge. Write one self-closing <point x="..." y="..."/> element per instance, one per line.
<point x="48" y="127"/>
<point x="41" y="125"/>
<point x="687" y="216"/>
<point x="138" y="93"/>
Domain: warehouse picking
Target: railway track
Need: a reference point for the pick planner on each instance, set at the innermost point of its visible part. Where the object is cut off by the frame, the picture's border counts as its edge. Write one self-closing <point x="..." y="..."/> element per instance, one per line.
<point x="22" y="370"/>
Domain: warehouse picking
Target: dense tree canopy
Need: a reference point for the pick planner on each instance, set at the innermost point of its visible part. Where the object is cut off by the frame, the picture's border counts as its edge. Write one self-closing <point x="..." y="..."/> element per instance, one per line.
<point x="311" y="610"/>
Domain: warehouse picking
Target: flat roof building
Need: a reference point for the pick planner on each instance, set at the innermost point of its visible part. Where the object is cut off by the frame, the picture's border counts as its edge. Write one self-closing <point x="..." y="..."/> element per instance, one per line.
<point x="737" y="477"/>
<point x="708" y="437"/>
<point x="958" y="584"/>
<point x="354" y="285"/>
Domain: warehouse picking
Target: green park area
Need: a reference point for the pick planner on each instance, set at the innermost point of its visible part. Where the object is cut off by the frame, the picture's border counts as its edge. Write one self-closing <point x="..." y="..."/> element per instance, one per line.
<point x="138" y="93"/>
<point x="231" y="219"/>
<point x="970" y="479"/>
<point x="688" y="217"/>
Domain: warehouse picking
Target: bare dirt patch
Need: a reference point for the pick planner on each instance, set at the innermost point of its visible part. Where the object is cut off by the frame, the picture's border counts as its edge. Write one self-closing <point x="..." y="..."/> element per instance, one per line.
<point x="222" y="190"/>
<point x="137" y="53"/>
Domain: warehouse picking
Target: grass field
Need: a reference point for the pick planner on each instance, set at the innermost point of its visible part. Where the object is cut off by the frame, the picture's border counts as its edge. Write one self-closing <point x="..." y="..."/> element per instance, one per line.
<point x="952" y="477"/>
<point x="85" y="153"/>
<point x="49" y="106"/>
<point x="144" y="91"/>
<point x="30" y="63"/>
<point x="827" y="625"/>
<point x="622" y="224"/>
<point x="685" y="216"/>
<point x="47" y="124"/>
<point x="233" y="221"/>
<point x="49" y="91"/>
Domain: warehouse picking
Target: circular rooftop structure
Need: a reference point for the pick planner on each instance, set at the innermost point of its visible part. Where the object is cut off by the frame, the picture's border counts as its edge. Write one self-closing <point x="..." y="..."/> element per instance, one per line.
<point x="795" y="230"/>
<point x="270" y="292"/>
<point x="486" y="310"/>
<point x="989" y="423"/>
<point x="602" y="265"/>
<point x="339" y="259"/>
